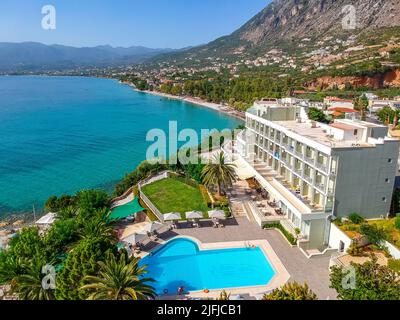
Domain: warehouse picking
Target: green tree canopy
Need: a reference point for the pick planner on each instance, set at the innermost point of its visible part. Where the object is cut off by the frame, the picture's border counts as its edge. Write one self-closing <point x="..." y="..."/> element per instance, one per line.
<point x="372" y="282"/>
<point x="292" y="291"/>
<point x="119" y="279"/>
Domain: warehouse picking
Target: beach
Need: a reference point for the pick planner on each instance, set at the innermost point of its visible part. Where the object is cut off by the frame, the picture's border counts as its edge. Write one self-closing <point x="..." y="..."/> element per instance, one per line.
<point x="197" y="101"/>
<point x="214" y="106"/>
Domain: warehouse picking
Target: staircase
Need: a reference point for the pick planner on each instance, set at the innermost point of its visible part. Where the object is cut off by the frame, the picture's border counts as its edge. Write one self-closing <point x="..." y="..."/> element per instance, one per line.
<point x="238" y="209"/>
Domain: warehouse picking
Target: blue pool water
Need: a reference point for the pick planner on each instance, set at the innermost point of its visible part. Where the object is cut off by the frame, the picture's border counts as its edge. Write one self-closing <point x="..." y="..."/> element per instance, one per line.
<point x="181" y="263"/>
<point x="63" y="134"/>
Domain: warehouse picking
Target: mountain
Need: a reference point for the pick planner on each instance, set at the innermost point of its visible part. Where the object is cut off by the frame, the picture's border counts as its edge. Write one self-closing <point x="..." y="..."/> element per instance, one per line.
<point x="33" y="56"/>
<point x="285" y="22"/>
<point x="294" y="19"/>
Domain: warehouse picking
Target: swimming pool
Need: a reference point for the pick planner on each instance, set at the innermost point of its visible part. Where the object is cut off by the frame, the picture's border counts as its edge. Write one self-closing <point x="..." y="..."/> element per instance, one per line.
<point x="181" y="263"/>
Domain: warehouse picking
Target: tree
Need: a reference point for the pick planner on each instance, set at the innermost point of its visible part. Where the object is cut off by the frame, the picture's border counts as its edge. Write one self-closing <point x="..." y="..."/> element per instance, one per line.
<point x="218" y="173"/>
<point x="90" y="200"/>
<point x="81" y="261"/>
<point x="372" y="282"/>
<point x="10" y="266"/>
<point x="60" y="235"/>
<point x="67" y="213"/>
<point x="374" y="234"/>
<point x="356" y="218"/>
<point x="397" y="223"/>
<point x="27" y="243"/>
<point x="51" y="204"/>
<point x="388" y="115"/>
<point x="361" y="104"/>
<point x="292" y="291"/>
<point x="194" y="171"/>
<point x="29" y="286"/>
<point x="317" y="115"/>
<point x="97" y="228"/>
<point x="119" y="280"/>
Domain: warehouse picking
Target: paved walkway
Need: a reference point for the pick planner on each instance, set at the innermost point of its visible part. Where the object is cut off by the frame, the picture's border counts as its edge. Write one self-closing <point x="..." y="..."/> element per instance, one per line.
<point x="314" y="271"/>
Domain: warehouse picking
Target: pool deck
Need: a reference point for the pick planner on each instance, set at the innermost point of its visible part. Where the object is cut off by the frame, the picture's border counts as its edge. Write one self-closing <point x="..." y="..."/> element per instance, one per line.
<point x="290" y="260"/>
<point x="280" y="278"/>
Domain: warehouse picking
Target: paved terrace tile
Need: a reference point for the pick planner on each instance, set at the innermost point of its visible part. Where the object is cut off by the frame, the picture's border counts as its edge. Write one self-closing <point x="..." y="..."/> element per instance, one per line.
<point x="314" y="271"/>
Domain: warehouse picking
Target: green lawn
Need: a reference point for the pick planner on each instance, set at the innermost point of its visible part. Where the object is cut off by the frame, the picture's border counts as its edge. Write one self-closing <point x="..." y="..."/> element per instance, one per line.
<point x="170" y="195"/>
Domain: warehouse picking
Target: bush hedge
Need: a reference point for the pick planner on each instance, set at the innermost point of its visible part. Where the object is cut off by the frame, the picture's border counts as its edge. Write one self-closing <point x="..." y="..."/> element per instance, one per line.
<point x="288" y="235"/>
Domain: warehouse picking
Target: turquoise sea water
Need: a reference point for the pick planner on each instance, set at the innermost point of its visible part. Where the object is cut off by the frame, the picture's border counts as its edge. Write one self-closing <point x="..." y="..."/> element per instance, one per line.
<point x="181" y="263"/>
<point x="60" y="134"/>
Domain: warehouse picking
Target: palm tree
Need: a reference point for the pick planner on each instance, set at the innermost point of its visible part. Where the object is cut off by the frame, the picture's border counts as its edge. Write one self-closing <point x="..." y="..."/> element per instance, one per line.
<point x="99" y="229"/>
<point x="67" y="213"/>
<point x="29" y="286"/>
<point x="119" y="280"/>
<point x="218" y="173"/>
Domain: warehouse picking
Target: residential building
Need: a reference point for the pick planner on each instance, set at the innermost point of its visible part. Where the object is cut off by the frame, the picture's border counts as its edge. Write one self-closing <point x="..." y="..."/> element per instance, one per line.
<point x="334" y="102"/>
<point x="318" y="172"/>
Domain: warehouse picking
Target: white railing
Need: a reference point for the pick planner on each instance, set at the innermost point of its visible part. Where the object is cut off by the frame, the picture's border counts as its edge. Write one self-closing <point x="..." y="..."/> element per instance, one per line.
<point x="161" y="176"/>
<point x="151" y="206"/>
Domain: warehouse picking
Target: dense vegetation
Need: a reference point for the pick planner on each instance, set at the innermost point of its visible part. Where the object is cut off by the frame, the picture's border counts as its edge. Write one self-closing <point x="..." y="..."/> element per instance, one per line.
<point x="292" y="291"/>
<point x="370" y="281"/>
<point x="74" y="245"/>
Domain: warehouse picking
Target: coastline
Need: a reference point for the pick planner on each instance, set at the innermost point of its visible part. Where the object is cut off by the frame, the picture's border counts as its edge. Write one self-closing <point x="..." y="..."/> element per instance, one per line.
<point x="197" y="101"/>
<point x="26" y="216"/>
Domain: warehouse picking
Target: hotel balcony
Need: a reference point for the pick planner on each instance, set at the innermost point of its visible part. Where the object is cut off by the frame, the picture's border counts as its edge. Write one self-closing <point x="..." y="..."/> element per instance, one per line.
<point x="321" y="166"/>
<point x="275" y="185"/>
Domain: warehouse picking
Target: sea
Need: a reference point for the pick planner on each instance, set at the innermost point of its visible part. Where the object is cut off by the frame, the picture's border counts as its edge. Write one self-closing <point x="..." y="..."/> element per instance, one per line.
<point x="59" y="135"/>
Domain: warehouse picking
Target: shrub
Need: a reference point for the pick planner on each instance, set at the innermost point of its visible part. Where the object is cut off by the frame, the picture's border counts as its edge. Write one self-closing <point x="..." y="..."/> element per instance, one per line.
<point x="224" y="296"/>
<point x="355" y="250"/>
<point x="292" y="291"/>
<point x="394" y="265"/>
<point x="356" y="218"/>
<point x="375" y="235"/>
<point x="339" y="221"/>
<point x="287" y="234"/>
<point x="397" y="223"/>
<point x="205" y="195"/>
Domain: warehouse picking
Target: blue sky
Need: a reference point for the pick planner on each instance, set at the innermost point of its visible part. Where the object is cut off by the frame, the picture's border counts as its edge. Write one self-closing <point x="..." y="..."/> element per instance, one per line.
<point x="151" y="23"/>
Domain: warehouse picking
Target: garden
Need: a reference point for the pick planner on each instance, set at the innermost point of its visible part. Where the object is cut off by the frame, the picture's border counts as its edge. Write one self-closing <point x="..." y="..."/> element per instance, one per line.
<point x="369" y="236"/>
<point x="177" y="195"/>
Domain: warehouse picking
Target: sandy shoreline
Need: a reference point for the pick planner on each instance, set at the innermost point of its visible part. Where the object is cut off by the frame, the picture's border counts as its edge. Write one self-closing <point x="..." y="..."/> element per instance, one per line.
<point x="214" y="106"/>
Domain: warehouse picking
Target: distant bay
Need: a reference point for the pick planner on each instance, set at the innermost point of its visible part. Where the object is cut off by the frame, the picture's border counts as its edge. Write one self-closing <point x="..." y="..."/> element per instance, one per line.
<point x="62" y="134"/>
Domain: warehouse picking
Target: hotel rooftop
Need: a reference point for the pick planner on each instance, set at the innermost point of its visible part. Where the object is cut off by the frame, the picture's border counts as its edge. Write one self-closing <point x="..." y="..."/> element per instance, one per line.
<point x="343" y="133"/>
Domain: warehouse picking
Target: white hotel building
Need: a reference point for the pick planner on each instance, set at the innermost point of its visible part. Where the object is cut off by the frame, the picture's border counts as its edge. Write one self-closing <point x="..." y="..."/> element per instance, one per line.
<point x="317" y="172"/>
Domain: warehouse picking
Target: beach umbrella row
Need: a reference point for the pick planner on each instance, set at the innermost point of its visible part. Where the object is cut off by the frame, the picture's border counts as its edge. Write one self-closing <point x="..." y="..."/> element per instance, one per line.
<point x="217" y="214"/>
<point x="142" y="234"/>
